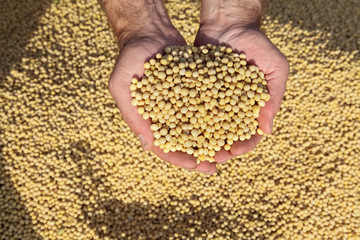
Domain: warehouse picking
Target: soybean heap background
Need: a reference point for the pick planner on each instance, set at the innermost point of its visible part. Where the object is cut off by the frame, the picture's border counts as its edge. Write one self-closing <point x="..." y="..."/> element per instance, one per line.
<point x="70" y="168"/>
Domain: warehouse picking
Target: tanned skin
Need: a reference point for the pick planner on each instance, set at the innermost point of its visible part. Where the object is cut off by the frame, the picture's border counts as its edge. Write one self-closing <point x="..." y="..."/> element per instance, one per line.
<point x="143" y="28"/>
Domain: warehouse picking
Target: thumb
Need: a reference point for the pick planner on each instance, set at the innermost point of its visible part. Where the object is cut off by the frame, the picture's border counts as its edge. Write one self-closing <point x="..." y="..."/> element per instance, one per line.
<point x="119" y="87"/>
<point x="276" y="85"/>
<point x="141" y="127"/>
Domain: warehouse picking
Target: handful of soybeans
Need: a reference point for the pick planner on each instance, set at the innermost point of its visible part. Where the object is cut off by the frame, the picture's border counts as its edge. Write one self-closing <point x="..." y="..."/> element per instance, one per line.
<point x="200" y="99"/>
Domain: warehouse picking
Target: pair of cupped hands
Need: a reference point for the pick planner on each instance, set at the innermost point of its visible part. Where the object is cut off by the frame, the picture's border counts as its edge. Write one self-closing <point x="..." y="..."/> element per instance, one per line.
<point x="138" y="49"/>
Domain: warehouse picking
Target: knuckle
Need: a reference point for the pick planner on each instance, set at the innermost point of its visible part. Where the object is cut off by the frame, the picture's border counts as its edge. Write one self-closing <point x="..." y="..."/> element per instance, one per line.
<point x="286" y="64"/>
<point x="111" y="85"/>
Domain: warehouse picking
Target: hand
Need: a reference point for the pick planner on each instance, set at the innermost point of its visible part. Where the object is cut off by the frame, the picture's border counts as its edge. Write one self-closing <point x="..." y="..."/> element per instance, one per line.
<point x="136" y="50"/>
<point x="246" y="37"/>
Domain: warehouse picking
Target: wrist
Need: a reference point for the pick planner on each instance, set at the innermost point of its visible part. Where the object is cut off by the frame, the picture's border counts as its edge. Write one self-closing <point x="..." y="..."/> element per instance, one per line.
<point x="134" y="20"/>
<point x="218" y="15"/>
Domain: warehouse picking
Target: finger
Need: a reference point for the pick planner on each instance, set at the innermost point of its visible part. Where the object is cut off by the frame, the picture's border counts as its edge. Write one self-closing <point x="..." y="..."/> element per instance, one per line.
<point x="176" y="158"/>
<point x="242" y="147"/>
<point x="206" y="167"/>
<point x="202" y="39"/>
<point x="223" y="156"/>
<point x="276" y="84"/>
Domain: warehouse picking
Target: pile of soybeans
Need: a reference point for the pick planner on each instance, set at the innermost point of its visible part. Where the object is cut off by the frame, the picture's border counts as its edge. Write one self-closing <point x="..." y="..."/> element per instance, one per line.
<point x="200" y="99"/>
<point x="70" y="167"/>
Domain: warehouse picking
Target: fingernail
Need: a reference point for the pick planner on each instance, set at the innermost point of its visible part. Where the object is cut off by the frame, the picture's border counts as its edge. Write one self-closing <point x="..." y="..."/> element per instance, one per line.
<point x="271" y="125"/>
<point x="143" y="142"/>
<point x="225" y="160"/>
<point x="204" y="172"/>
